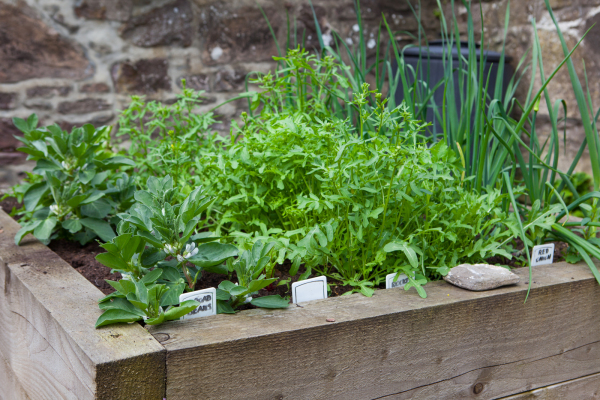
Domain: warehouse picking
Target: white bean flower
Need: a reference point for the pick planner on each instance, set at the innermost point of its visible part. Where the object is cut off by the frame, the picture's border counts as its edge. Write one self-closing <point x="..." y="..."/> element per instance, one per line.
<point x="163" y="212"/>
<point x="189" y="252"/>
<point x="54" y="208"/>
<point x="65" y="165"/>
<point x="169" y="249"/>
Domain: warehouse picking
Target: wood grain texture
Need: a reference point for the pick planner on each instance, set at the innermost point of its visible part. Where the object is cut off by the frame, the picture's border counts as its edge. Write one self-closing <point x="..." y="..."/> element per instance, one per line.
<point x="10" y="387"/>
<point x="395" y="345"/>
<point x="47" y="334"/>
<point x="586" y="388"/>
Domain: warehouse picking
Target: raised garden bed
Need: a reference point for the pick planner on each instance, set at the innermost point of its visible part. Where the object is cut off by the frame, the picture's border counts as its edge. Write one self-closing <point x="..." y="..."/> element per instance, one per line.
<point x="395" y="345"/>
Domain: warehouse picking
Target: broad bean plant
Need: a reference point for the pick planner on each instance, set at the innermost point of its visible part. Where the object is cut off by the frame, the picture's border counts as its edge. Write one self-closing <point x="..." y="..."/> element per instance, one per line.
<point x="250" y="268"/>
<point x="161" y="253"/>
<point x="76" y="189"/>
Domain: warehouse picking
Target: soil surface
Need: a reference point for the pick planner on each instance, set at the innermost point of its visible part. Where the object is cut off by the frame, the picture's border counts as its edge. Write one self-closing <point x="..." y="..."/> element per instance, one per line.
<point x="83" y="259"/>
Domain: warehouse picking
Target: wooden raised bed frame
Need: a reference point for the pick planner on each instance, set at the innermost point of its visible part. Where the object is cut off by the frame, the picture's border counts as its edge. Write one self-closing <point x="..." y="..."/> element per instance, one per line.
<point x="454" y="344"/>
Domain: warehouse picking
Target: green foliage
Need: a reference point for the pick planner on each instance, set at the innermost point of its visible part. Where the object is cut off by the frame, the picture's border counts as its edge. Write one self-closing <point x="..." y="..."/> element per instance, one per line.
<point x="157" y="240"/>
<point x="75" y="189"/>
<point x="164" y="138"/>
<point x="251" y="269"/>
<point x="170" y="230"/>
<point x="482" y="128"/>
<point x="583" y="185"/>
<point x="141" y="299"/>
<point x="335" y="197"/>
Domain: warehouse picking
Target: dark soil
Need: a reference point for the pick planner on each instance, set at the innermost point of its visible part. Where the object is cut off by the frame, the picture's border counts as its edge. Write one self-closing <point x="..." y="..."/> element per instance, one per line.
<point x="9" y="204"/>
<point x="83" y="259"/>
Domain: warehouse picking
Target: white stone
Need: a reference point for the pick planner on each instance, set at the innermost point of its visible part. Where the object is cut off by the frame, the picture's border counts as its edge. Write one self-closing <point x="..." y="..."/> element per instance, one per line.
<point x="480" y="276"/>
<point x="216" y="53"/>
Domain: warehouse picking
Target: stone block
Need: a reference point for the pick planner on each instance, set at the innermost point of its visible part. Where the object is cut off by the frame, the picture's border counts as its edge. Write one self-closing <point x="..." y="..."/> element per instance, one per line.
<point x="48" y="91"/>
<point x="38" y="105"/>
<point x="169" y="25"/>
<point x="143" y="76"/>
<point x="97" y="87"/>
<point x="7" y="131"/>
<point x="237" y="34"/>
<point x="30" y="49"/>
<point x="8" y="100"/>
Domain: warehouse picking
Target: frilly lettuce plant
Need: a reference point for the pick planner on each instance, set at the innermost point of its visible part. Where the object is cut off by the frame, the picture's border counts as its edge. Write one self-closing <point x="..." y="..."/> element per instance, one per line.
<point x="74" y="190"/>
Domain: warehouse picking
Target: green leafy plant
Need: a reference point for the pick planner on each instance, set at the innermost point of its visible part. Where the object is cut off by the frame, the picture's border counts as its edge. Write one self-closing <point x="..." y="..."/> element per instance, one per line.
<point x="250" y="269"/>
<point x="145" y="299"/>
<point x="165" y="137"/>
<point x="170" y="230"/>
<point x="482" y="128"/>
<point x="75" y="190"/>
<point x="344" y="199"/>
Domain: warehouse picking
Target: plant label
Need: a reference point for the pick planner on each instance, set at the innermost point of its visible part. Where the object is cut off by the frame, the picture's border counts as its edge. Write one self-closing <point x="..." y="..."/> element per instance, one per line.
<point x="207" y="299"/>
<point x="309" y="289"/>
<point x="542" y="254"/>
<point x="390" y="284"/>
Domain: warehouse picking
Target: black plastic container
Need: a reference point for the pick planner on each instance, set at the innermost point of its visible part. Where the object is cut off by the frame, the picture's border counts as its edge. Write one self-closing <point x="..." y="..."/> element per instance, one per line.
<point x="432" y="64"/>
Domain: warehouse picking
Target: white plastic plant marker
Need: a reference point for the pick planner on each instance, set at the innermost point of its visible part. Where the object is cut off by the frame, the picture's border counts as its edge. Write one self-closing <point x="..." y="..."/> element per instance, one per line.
<point x="207" y="299"/>
<point x="390" y="284"/>
<point x="542" y="254"/>
<point x="309" y="289"/>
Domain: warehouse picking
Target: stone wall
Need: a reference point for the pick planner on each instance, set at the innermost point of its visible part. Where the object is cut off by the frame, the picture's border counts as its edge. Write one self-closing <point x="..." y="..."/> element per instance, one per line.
<point x="78" y="61"/>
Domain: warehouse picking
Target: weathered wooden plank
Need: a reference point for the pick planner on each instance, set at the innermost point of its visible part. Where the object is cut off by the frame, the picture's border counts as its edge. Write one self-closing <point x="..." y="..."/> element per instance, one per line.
<point x="396" y="345"/>
<point x="10" y="387"/>
<point x="47" y="334"/>
<point x="586" y="388"/>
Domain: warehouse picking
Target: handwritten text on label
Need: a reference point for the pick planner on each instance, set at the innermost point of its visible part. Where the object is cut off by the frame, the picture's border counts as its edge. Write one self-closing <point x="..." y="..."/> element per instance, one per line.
<point x="207" y="299"/>
<point x="542" y="254"/>
<point x="400" y="282"/>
